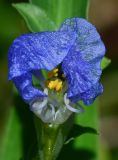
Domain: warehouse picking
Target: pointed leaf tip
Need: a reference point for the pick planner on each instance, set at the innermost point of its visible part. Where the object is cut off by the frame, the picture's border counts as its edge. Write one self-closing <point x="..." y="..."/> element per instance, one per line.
<point x="105" y="63"/>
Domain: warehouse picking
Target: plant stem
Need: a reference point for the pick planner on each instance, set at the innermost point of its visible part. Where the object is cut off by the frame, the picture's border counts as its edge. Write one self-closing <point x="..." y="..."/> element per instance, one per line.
<point x="51" y="138"/>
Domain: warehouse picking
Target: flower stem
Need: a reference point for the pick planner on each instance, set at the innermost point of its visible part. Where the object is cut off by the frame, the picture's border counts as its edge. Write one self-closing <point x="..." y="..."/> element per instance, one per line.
<point x="51" y="138"/>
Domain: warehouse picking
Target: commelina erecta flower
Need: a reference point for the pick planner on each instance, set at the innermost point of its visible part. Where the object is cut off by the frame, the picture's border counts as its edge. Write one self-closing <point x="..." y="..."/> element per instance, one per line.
<point x="71" y="56"/>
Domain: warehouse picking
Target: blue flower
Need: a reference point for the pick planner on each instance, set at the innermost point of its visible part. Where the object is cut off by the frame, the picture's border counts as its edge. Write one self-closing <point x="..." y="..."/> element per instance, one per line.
<point x="75" y="50"/>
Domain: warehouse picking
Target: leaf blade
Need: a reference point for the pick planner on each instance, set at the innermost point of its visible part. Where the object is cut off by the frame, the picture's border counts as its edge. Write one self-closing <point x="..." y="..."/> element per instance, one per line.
<point x="105" y="63"/>
<point x="12" y="138"/>
<point x="59" y="10"/>
<point x="35" y="17"/>
<point x="90" y="119"/>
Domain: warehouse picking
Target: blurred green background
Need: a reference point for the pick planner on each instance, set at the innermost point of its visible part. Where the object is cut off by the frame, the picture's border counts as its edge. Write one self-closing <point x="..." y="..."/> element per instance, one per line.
<point x="104" y="15"/>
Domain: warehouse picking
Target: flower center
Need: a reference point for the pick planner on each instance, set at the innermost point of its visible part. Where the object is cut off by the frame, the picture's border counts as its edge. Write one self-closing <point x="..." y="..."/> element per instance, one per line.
<point x="55" y="80"/>
<point x="55" y="107"/>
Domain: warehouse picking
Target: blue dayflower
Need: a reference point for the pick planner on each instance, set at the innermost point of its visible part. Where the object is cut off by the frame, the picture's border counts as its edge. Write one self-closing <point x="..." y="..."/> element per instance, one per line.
<point x="76" y="51"/>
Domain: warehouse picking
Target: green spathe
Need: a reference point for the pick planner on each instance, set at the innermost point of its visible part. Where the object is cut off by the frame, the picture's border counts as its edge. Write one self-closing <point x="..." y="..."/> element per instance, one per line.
<point x="51" y="138"/>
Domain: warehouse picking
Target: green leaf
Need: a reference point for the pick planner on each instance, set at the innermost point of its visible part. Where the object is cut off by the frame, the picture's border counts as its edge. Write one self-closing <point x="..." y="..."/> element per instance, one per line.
<point x="35" y="17"/>
<point x="105" y="62"/>
<point x="79" y="130"/>
<point x="11" y="140"/>
<point x="59" y="10"/>
<point x="89" y="141"/>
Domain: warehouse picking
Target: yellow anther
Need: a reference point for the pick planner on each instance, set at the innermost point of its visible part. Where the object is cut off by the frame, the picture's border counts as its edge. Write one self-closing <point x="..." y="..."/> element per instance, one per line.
<point x="55" y="84"/>
<point x="55" y="70"/>
<point x="53" y="73"/>
<point x="51" y="85"/>
<point x="56" y="74"/>
<point x="59" y="86"/>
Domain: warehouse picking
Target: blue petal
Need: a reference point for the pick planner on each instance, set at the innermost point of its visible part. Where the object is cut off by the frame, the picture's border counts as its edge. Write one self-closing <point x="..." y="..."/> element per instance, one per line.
<point x="38" y="51"/>
<point x="82" y="64"/>
<point x="31" y="52"/>
<point x="89" y="96"/>
<point x="27" y="91"/>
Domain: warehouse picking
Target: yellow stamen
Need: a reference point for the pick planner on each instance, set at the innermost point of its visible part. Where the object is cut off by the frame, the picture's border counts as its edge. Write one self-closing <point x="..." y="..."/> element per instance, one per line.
<point x="53" y="73"/>
<point x="51" y="85"/>
<point x="59" y="86"/>
<point x="55" y="70"/>
<point x="56" y="75"/>
<point x="55" y="84"/>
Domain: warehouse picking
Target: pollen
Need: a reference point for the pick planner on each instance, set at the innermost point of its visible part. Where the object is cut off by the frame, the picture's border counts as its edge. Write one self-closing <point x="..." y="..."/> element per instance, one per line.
<point x="59" y="86"/>
<point x="55" y="84"/>
<point x="56" y="75"/>
<point x="55" y="70"/>
<point x="53" y="73"/>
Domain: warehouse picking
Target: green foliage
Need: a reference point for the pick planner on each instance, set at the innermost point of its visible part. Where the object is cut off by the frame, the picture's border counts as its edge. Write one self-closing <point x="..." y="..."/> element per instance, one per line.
<point x="10" y="27"/>
<point x="58" y="10"/>
<point x="83" y="140"/>
<point x="105" y="62"/>
<point x="42" y="15"/>
<point x="89" y="141"/>
<point x="35" y="17"/>
<point x="79" y="130"/>
<point x="11" y="140"/>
